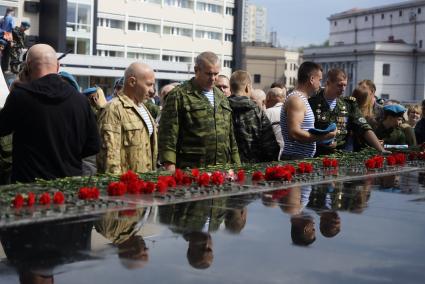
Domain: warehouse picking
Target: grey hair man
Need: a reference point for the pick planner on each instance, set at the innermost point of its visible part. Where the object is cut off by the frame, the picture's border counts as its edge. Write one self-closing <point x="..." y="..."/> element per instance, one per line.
<point x="274" y="102"/>
<point x="196" y="127"/>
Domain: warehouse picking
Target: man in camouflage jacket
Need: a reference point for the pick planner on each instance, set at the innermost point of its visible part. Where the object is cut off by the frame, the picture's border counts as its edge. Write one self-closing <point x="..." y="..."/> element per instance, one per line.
<point x="330" y="106"/>
<point x="196" y="122"/>
<point x="127" y="130"/>
<point x="253" y="130"/>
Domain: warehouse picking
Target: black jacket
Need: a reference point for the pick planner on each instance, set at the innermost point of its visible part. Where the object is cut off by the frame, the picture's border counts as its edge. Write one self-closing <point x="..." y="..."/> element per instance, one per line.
<point x="253" y="131"/>
<point x="53" y="128"/>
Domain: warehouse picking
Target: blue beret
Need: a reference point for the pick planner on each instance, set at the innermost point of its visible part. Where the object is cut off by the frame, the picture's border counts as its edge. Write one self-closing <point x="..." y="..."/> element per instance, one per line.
<point x="397" y="110"/>
<point x="26" y="24"/>
<point x="89" y="91"/>
<point x="3" y="42"/>
<point x="70" y="79"/>
<point x="119" y="82"/>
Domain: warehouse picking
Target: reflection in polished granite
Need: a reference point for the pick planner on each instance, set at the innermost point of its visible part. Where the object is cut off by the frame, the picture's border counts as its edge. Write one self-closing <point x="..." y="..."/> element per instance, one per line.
<point x="368" y="231"/>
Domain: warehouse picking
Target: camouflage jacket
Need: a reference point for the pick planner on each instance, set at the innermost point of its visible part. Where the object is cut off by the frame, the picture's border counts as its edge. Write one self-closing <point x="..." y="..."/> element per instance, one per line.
<point x="253" y="131"/>
<point x="391" y="136"/>
<point x="346" y="115"/>
<point x="153" y="108"/>
<point x="125" y="141"/>
<point x="193" y="133"/>
<point x="18" y="38"/>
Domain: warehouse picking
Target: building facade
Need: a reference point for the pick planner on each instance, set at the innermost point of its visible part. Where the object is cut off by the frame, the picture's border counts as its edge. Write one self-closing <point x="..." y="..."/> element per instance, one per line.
<point x="384" y="44"/>
<point x="105" y="36"/>
<point x="269" y="64"/>
<point x="254" y="24"/>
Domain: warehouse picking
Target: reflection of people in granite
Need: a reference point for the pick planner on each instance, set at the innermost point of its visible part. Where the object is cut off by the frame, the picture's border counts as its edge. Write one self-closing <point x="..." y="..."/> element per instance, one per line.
<point x="293" y="203"/>
<point x="120" y="227"/>
<point x="199" y="253"/>
<point x="235" y="219"/>
<point x="355" y="195"/>
<point x="390" y="183"/>
<point x="36" y="249"/>
<point x="330" y="224"/>
<point x="323" y="200"/>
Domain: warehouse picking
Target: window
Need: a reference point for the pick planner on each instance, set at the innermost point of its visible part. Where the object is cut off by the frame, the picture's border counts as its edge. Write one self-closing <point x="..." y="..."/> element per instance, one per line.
<point x="335" y="23"/>
<point x="227" y="63"/>
<point x="419" y="10"/>
<point x="286" y="66"/>
<point x="134" y="26"/>
<point x="116" y="24"/>
<point x="230" y="11"/>
<point x="386" y="69"/>
<point x="212" y="8"/>
<point x="385" y="96"/>
<point x="208" y="35"/>
<point x="177" y="31"/>
<point x="179" y="3"/>
<point x="228" y="37"/>
<point x="382" y="16"/>
<point x="79" y="27"/>
<point x="365" y="18"/>
<point x="420" y="44"/>
<point x="400" y="13"/>
<point x="257" y="78"/>
<point x="349" y="21"/>
<point x="172" y="58"/>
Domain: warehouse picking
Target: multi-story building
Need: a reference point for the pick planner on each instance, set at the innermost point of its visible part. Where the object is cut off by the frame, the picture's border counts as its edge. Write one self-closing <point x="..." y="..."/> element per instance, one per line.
<point x="384" y="44"/>
<point x="106" y="36"/>
<point x="269" y="64"/>
<point x="254" y="24"/>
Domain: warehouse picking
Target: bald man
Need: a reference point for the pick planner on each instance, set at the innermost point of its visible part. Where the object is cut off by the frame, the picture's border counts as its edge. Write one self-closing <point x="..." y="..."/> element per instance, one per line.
<point x="52" y="123"/>
<point x="127" y="129"/>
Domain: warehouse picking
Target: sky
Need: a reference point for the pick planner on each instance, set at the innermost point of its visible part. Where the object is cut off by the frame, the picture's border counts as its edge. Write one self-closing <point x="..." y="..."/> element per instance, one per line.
<point x="303" y="22"/>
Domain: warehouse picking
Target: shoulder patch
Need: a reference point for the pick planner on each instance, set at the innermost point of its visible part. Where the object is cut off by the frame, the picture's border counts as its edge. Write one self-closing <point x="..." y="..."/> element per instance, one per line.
<point x="353" y="99"/>
<point x="362" y="120"/>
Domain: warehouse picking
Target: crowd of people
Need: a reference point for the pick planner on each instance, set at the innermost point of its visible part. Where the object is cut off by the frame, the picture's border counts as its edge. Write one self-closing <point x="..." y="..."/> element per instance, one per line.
<point x="208" y="120"/>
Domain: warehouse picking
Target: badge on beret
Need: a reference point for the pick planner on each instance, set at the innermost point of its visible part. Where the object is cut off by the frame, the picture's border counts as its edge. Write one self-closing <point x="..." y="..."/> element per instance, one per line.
<point x="343" y="107"/>
<point x="362" y="120"/>
<point x="318" y="111"/>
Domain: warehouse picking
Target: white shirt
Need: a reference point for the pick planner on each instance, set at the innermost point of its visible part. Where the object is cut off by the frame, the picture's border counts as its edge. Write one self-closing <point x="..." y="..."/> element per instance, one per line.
<point x="273" y="114"/>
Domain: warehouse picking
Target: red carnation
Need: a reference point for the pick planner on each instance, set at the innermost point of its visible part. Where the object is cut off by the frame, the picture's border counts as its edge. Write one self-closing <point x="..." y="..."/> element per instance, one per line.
<point x="84" y="193"/>
<point x="58" y="198"/>
<point x="178" y="176"/>
<point x="117" y="188"/>
<point x="18" y="202"/>
<point x="161" y="186"/>
<point x="94" y="193"/>
<point x="31" y="199"/>
<point x="135" y="186"/>
<point x="370" y="164"/>
<point x="187" y="180"/>
<point x="326" y="162"/>
<point x="217" y="178"/>
<point x="149" y="187"/>
<point x="129" y="176"/>
<point x="308" y="168"/>
<point x="204" y="179"/>
<point x="195" y="173"/>
<point x="391" y="161"/>
<point x="257" y="176"/>
<point x="241" y="175"/>
<point x="289" y="168"/>
<point x="44" y="199"/>
<point x="334" y="163"/>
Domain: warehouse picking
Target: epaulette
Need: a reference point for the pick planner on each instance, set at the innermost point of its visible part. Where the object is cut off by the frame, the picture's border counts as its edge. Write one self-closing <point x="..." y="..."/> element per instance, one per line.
<point x="350" y="98"/>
